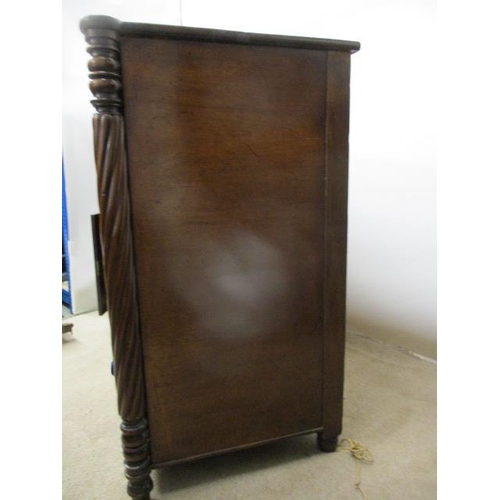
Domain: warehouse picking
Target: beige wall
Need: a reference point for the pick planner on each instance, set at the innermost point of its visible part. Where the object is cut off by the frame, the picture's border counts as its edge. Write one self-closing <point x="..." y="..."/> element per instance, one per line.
<point x="392" y="196"/>
<point x="392" y="222"/>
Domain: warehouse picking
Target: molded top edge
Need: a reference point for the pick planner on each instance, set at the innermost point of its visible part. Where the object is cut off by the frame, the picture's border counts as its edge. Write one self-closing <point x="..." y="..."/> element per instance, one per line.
<point x="142" y="30"/>
<point x="99" y="22"/>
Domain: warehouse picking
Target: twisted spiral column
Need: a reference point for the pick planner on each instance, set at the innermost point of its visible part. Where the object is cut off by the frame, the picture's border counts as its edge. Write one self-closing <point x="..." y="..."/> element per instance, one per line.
<point x="102" y="36"/>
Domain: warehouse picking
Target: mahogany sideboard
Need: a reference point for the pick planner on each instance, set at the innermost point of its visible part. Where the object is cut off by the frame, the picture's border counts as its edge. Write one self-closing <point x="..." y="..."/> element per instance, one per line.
<point x="222" y="166"/>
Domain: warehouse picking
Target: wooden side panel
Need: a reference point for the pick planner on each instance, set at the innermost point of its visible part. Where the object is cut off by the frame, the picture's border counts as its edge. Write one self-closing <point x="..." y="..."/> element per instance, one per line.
<point x="226" y="152"/>
<point x="337" y="137"/>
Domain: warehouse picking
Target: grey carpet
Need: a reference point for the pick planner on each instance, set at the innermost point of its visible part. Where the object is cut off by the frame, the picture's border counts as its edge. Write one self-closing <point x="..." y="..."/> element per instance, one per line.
<point x="390" y="406"/>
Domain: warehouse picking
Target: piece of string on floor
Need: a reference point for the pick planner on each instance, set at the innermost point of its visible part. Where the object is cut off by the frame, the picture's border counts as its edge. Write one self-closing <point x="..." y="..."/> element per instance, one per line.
<point x="361" y="454"/>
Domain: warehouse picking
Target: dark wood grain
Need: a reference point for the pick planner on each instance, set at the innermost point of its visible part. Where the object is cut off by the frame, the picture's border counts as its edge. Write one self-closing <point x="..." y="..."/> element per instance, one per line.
<point x="227" y="202"/>
<point x="337" y="137"/>
<point x="222" y="174"/>
<point x="234" y="37"/>
<point x="118" y="259"/>
<point x="186" y="33"/>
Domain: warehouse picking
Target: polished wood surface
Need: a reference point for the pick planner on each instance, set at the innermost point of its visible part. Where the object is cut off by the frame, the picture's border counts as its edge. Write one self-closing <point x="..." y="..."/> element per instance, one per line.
<point x="227" y="200"/>
<point x="336" y="175"/>
<point x="222" y="165"/>
<point x="234" y="37"/>
<point x="119" y="269"/>
<point x="172" y="32"/>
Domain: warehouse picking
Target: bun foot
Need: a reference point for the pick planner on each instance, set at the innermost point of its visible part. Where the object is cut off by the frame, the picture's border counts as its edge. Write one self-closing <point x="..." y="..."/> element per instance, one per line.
<point x="328" y="445"/>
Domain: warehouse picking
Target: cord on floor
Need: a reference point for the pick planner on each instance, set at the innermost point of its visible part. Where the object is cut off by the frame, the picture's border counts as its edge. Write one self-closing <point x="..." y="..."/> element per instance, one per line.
<point x="361" y="454"/>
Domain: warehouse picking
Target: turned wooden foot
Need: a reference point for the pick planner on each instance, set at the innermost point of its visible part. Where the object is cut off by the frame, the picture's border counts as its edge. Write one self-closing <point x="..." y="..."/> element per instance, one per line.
<point x="328" y="445"/>
<point x="135" y="439"/>
<point x="140" y="492"/>
<point x="138" y="496"/>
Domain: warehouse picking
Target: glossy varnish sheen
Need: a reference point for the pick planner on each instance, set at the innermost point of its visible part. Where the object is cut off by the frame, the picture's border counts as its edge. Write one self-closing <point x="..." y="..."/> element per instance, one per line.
<point x="226" y="164"/>
<point x="222" y="175"/>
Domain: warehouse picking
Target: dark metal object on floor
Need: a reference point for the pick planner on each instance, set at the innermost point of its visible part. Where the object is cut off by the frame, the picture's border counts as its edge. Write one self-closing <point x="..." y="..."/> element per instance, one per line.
<point x="67" y="328"/>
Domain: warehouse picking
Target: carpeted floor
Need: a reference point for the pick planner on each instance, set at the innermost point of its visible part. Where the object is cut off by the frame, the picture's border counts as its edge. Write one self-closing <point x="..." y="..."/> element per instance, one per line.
<point x="390" y="406"/>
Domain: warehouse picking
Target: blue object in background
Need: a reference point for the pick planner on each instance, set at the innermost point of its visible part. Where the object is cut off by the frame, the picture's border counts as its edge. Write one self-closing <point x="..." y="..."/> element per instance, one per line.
<point x="66" y="294"/>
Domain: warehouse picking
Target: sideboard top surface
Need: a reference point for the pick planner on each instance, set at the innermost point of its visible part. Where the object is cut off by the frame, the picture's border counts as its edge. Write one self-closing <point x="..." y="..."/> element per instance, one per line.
<point x="143" y="30"/>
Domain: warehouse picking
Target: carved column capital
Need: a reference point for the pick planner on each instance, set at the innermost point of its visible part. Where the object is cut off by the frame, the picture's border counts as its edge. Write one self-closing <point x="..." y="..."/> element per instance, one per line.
<point x="102" y="36"/>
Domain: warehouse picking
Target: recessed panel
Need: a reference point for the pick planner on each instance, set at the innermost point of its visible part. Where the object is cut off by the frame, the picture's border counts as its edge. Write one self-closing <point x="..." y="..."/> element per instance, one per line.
<point x="226" y="150"/>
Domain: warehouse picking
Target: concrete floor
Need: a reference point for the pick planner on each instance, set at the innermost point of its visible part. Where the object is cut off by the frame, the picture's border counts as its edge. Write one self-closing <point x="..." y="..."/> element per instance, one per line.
<point x="390" y="406"/>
